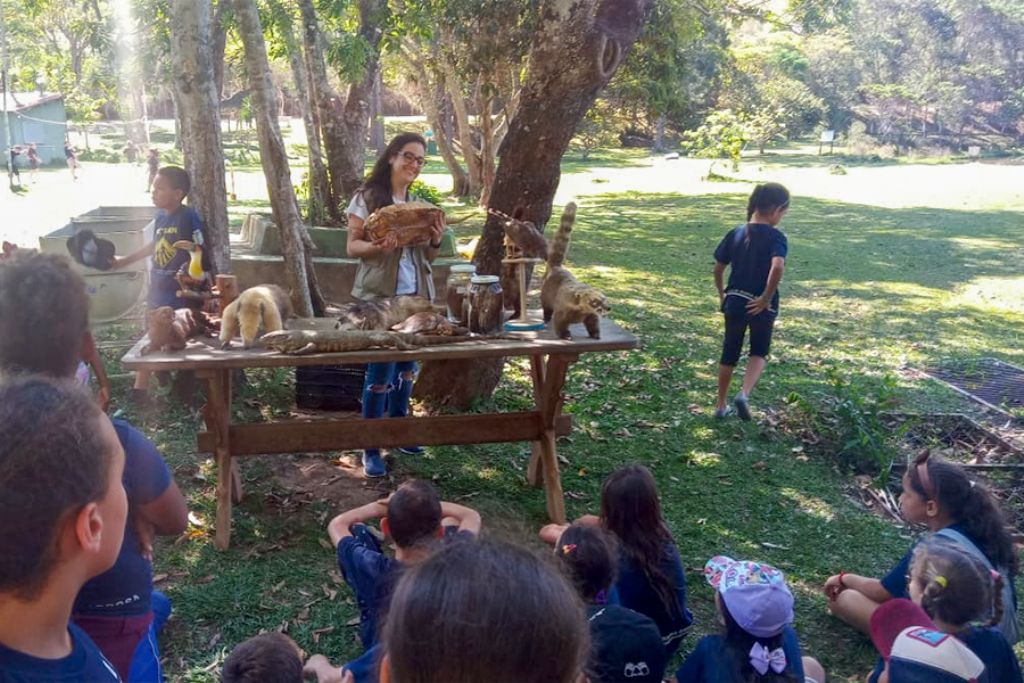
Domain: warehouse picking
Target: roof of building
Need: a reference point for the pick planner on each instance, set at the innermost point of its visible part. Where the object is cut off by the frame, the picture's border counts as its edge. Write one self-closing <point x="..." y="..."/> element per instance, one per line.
<point x="21" y="101"/>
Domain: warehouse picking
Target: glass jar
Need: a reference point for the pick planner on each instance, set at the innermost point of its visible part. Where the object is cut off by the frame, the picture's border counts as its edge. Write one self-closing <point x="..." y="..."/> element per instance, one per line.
<point x="459" y="279"/>
<point x="484" y="306"/>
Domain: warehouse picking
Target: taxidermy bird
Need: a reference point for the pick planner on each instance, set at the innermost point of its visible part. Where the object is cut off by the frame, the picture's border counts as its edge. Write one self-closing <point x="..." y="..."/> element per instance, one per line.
<point x="195" y="264"/>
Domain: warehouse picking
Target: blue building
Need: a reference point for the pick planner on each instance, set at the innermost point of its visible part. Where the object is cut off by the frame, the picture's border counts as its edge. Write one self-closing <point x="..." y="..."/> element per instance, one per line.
<point x="39" y="118"/>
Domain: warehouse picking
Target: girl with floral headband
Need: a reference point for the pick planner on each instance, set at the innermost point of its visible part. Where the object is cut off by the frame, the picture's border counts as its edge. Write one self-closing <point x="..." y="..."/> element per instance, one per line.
<point x="939" y="495"/>
<point x="758" y="643"/>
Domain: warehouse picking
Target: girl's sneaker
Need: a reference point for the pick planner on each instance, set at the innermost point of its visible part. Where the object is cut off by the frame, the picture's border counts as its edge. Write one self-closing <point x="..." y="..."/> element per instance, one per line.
<point x="373" y="464"/>
<point x="742" y="407"/>
<point x="722" y="413"/>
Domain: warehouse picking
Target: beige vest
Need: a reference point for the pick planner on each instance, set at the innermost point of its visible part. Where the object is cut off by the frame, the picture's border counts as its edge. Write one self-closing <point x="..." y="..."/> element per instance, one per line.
<point x="377" y="276"/>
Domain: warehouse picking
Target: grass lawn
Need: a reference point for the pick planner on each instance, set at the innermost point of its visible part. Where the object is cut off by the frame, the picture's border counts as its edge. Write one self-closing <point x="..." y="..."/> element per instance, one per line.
<point x="867" y="290"/>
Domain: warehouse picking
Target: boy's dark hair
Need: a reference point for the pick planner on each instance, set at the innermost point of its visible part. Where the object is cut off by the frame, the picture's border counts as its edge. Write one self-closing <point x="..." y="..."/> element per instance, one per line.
<point x="266" y="657"/>
<point x="738" y="644"/>
<point x="44" y="313"/>
<point x="53" y="461"/>
<point x="766" y="198"/>
<point x="485" y="611"/>
<point x="968" y="504"/>
<point x="414" y="513"/>
<point x="377" y="187"/>
<point x="631" y="511"/>
<point x="177" y="177"/>
<point x="955" y="587"/>
<point x="587" y="555"/>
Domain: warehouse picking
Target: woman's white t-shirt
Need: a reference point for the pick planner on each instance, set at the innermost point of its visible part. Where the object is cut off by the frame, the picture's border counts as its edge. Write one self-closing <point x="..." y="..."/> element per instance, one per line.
<point x="406" y="266"/>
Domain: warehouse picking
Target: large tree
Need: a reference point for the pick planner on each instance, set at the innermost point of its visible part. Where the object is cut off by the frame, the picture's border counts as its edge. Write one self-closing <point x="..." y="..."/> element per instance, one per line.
<point x="197" y="100"/>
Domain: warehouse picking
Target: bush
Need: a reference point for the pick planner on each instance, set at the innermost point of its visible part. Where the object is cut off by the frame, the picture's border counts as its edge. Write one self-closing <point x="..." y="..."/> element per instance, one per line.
<point x="106" y="156"/>
<point x="427" y="193"/>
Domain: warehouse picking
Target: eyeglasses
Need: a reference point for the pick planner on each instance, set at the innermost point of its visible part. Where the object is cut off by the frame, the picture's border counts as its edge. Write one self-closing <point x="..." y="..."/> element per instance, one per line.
<point x="413" y="159"/>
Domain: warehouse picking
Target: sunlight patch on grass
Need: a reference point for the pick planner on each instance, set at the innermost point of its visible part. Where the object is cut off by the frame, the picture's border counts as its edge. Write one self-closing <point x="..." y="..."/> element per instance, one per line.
<point x="810" y="505"/>
<point x="1003" y="294"/>
<point x="705" y="459"/>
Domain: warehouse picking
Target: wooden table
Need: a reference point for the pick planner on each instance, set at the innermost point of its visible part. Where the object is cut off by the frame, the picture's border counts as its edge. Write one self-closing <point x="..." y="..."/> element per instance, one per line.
<point x="549" y="360"/>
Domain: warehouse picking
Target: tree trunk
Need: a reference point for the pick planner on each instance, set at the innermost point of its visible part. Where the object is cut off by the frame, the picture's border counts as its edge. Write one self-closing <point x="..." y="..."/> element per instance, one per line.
<point x="357" y="105"/>
<point x="198" y="108"/>
<point x="328" y="106"/>
<point x="465" y="131"/>
<point x="220" y="43"/>
<point x="273" y="156"/>
<point x="576" y="51"/>
<point x="378" y="138"/>
<point x="319" y="186"/>
<point x="659" y="134"/>
<point x="487" y="155"/>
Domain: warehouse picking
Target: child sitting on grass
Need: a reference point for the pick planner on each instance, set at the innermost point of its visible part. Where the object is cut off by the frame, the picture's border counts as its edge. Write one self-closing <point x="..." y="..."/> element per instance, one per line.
<point x="758" y="643"/>
<point x="476" y="612"/>
<point x="650" y="573"/>
<point x="262" y="659"/>
<point x="939" y="495"/>
<point x="174" y="222"/>
<point x="413" y="517"/>
<point x="56" y="531"/>
<point x="625" y="645"/>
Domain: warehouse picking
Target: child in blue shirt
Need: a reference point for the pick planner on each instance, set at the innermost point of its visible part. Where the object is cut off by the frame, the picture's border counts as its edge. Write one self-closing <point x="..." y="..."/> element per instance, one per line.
<point x="758" y="643"/>
<point x="650" y="572"/>
<point x="174" y="223"/>
<point x="755" y="253"/>
<point x="414" y="518"/>
<point x="119" y="608"/>
<point x="56" y="531"/>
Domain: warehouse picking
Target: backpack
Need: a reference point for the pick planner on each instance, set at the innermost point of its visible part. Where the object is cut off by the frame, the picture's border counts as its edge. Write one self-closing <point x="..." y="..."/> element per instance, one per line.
<point x="1008" y="624"/>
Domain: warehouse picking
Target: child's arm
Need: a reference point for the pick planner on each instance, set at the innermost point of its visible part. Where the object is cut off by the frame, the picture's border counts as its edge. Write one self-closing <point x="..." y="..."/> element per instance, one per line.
<point x="468" y="518"/>
<point x="868" y="587"/>
<point x="145" y="252"/>
<point x="550" y="533"/>
<point x="338" y="528"/>
<point x="91" y="357"/>
<point x="774" y="278"/>
<point x="323" y="670"/>
<point x="720" y="281"/>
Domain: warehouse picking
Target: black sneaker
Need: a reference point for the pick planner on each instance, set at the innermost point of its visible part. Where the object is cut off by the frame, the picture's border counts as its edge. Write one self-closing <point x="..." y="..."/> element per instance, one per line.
<point x="742" y="407"/>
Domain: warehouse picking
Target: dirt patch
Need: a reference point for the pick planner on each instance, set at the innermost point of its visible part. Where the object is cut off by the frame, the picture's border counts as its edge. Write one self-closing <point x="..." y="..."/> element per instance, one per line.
<point x="332" y="478"/>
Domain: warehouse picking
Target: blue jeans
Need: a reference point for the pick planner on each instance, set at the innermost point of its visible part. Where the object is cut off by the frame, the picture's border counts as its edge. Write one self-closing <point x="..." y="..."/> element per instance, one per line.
<point x="146" y="660"/>
<point x="397" y="390"/>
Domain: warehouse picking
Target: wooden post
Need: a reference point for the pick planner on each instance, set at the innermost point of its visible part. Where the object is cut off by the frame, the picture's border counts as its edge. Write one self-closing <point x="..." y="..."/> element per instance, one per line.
<point x="549" y="379"/>
<point x="217" y="414"/>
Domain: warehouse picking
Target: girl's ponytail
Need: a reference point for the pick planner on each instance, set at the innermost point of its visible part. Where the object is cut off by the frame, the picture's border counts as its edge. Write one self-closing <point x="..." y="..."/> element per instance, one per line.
<point x="997" y="599"/>
<point x="753" y="200"/>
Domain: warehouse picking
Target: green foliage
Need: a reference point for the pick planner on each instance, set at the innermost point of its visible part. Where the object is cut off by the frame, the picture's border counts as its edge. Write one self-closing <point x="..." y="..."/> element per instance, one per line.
<point x="722" y="135"/>
<point x="100" y="154"/>
<point x="426" y="192"/>
<point x="599" y="128"/>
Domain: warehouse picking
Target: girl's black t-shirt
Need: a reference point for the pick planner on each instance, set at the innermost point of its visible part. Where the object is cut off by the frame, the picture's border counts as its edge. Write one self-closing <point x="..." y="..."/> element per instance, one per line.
<point x="749" y="250"/>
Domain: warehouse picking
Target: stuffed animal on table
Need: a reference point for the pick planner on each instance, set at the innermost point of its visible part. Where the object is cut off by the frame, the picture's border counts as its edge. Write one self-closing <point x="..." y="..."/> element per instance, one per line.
<point x="265" y="307"/>
<point x="170" y="329"/>
<point x="195" y="282"/>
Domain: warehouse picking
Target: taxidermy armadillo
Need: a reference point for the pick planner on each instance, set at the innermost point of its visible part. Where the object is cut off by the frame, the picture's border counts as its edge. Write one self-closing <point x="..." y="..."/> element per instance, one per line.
<point x="401" y="225"/>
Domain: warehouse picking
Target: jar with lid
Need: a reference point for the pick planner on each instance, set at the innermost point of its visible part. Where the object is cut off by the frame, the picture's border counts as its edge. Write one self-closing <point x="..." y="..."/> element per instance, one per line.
<point x="459" y="279"/>
<point x="485" y="305"/>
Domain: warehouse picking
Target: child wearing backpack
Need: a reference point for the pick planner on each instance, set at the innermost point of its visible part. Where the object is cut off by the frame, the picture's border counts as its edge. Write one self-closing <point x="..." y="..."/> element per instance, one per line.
<point x="939" y="495"/>
<point x="758" y="643"/>
<point x="56" y="531"/>
<point x="650" y="572"/>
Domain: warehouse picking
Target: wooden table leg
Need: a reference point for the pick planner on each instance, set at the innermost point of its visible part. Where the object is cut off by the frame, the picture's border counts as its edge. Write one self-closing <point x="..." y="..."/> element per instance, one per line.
<point x="549" y="379"/>
<point x="534" y="473"/>
<point x="218" y="421"/>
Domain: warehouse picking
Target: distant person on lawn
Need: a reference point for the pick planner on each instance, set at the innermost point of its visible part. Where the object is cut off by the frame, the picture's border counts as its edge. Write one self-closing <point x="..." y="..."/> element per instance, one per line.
<point x="755" y="253"/>
<point x="72" y="159"/>
<point x="44" y="329"/>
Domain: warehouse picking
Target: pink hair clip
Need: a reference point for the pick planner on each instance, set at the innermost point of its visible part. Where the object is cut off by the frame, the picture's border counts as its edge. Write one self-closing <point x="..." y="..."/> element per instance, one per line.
<point x="568" y="548"/>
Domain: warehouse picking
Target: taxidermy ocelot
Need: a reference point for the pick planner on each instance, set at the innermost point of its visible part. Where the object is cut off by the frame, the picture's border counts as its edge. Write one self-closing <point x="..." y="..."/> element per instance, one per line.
<point x="565" y="299"/>
<point x="264" y="307"/>
<point x="381" y="314"/>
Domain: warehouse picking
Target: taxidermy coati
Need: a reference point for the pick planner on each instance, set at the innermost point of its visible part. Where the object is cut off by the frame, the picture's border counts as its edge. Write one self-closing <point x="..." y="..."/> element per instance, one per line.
<point x="266" y="306"/>
<point x="169" y="329"/>
<point x="565" y="299"/>
<point x="381" y="314"/>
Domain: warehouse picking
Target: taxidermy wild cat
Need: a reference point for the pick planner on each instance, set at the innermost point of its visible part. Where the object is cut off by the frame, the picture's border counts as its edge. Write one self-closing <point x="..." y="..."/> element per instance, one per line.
<point x="565" y="299"/>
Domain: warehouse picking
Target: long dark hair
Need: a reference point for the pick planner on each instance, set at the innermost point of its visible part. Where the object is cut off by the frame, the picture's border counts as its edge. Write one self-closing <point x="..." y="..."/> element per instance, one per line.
<point x="485" y="611"/>
<point x="766" y="198"/>
<point x="630" y="509"/>
<point x="376" y="188"/>
<point x="737" y="649"/>
<point x="955" y="586"/>
<point x="969" y="504"/>
<point x="587" y="555"/>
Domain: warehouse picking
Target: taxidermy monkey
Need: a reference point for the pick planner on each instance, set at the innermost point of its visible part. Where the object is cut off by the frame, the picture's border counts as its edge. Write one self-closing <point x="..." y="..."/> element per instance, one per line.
<point x="565" y="299"/>
<point x="263" y="306"/>
<point x="169" y="329"/>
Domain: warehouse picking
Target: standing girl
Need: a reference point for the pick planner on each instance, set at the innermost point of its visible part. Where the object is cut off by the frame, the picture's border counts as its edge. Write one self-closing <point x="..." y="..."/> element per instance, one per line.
<point x="939" y="495"/>
<point x="33" y="160"/>
<point x="756" y="252"/>
<point x="387" y="272"/>
<point x="71" y="158"/>
<point x="650" y="573"/>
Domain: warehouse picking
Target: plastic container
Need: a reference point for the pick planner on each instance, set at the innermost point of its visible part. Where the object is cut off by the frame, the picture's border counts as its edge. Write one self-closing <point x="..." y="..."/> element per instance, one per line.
<point x="460" y="277"/>
<point x="484" y="306"/>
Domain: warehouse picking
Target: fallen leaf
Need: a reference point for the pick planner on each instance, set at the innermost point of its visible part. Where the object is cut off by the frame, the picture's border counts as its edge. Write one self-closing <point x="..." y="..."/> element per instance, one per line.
<point x="329" y="592"/>
<point x="305" y="594"/>
<point x="196" y="520"/>
<point x="319" y="632"/>
<point x="774" y="546"/>
<point x="204" y="579"/>
<point x="324" y="543"/>
<point x="303" y="614"/>
<point x="214" y="639"/>
<point x="760" y="465"/>
<point x="583" y="472"/>
<point x="354" y="621"/>
<point x="278" y="586"/>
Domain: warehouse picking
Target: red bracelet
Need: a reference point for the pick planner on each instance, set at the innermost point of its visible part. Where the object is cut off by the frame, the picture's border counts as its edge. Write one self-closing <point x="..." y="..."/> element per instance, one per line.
<point x="841" y="575"/>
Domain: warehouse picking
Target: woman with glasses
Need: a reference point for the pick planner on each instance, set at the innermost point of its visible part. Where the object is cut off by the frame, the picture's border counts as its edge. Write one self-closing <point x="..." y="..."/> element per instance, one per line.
<point x="386" y="272"/>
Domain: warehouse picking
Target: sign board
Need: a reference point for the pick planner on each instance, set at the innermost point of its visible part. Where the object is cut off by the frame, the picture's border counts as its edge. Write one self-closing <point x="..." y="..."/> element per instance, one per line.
<point x="974" y="151"/>
<point x="828" y="136"/>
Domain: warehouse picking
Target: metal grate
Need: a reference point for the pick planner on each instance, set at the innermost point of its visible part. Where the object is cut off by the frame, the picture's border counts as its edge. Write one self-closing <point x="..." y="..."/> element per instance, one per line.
<point x="989" y="381"/>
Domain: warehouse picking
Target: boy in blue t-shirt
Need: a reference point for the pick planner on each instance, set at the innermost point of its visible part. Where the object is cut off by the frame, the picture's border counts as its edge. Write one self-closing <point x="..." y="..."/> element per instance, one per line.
<point x="174" y="223"/>
<point x="56" y="531"/>
<point x="414" y="518"/>
<point x="119" y="608"/>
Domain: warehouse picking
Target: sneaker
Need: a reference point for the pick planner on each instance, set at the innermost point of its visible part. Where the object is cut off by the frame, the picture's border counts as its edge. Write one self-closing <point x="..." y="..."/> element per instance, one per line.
<point x="742" y="407"/>
<point x="411" y="450"/>
<point x="722" y="413"/>
<point x="373" y="464"/>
